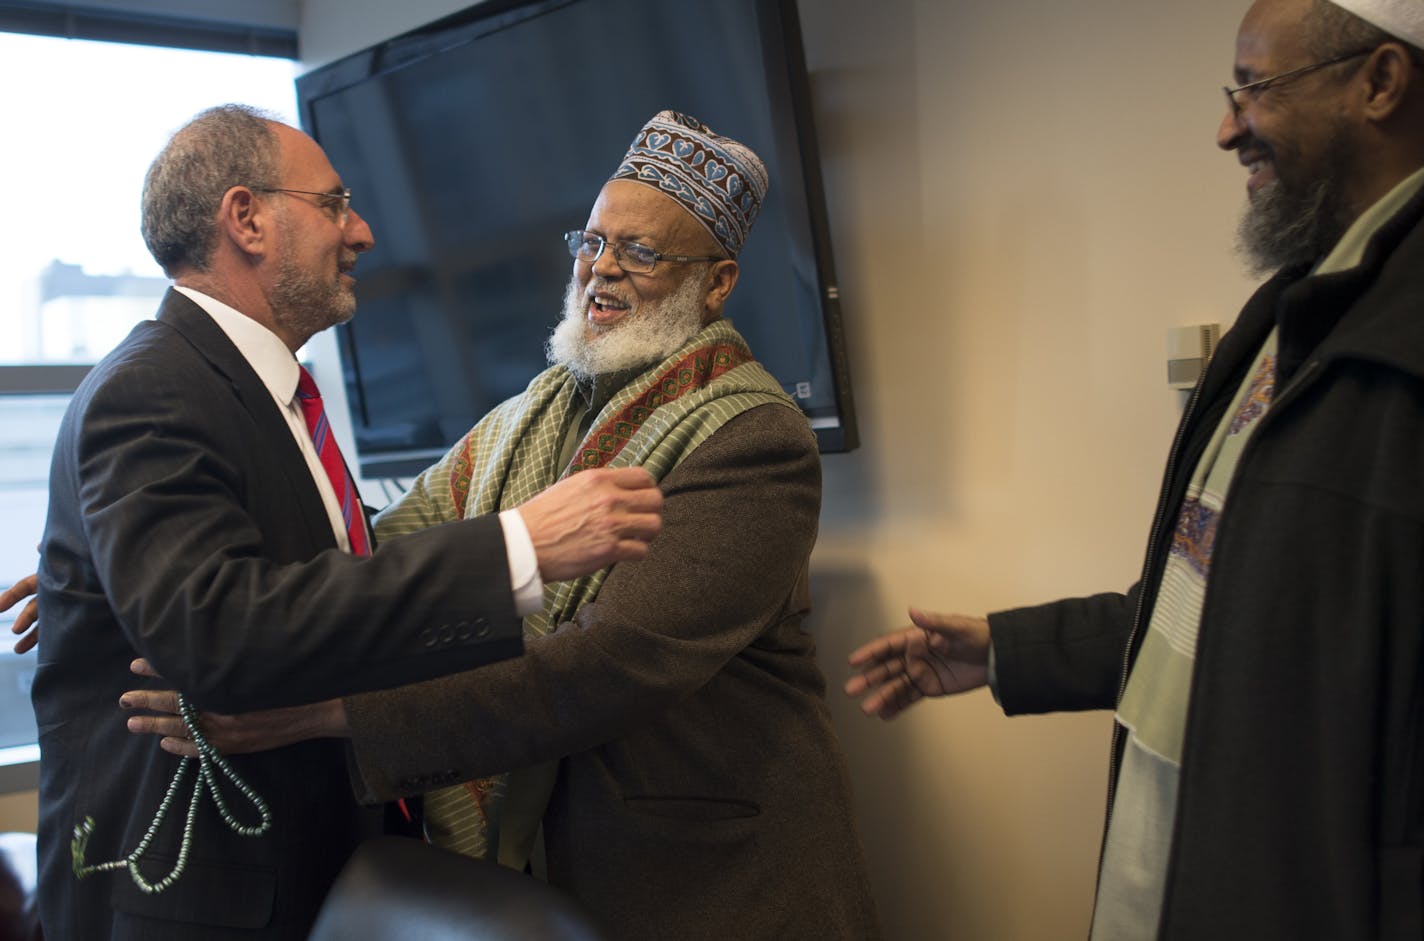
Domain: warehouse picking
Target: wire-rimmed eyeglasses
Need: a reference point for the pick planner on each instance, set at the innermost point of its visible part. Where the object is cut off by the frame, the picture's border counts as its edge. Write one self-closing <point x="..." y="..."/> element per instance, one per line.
<point x="1261" y="84"/>
<point x="341" y="198"/>
<point x="631" y="257"/>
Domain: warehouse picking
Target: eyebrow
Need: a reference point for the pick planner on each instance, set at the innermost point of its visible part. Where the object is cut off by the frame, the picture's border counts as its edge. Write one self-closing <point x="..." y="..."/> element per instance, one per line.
<point x="640" y="239"/>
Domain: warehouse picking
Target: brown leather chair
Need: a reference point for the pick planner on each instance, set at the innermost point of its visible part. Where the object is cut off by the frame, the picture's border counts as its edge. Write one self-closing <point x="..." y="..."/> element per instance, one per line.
<point x="396" y="887"/>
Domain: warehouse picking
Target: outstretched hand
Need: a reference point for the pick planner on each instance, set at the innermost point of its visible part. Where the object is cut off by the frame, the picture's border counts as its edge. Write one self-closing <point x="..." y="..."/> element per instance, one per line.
<point x="941" y="654"/>
<point x="593" y="519"/>
<point x="26" y="621"/>
<point x="231" y="735"/>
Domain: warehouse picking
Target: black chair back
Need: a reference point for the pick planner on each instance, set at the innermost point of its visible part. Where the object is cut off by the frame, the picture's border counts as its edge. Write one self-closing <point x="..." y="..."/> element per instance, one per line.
<point x="399" y="888"/>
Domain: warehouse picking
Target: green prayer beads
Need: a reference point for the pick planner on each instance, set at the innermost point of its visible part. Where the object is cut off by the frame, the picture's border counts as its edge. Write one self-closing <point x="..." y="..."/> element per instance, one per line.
<point x="209" y="762"/>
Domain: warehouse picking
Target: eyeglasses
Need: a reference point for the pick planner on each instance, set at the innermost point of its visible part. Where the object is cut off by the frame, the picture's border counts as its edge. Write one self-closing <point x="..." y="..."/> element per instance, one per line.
<point x="1255" y="88"/>
<point x="329" y="199"/>
<point x="631" y="257"/>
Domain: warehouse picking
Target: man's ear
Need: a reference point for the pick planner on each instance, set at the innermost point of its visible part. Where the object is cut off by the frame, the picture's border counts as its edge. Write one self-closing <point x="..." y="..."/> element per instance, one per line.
<point x="243" y="221"/>
<point x="723" y="279"/>
<point x="1390" y="72"/>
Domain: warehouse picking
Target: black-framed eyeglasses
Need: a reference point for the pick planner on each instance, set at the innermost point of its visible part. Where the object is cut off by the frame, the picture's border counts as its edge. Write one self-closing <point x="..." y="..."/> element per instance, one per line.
<point x="341" y="198"/>
<point x="631" y="257"/>
<point x="1261" y="84"/>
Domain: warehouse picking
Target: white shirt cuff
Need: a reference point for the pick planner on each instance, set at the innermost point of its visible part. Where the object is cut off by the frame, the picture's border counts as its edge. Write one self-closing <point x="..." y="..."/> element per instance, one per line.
<point x="523" y="564"/>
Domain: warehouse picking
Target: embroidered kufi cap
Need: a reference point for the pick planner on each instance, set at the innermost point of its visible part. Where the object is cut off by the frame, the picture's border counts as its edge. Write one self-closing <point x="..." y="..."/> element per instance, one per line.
<point x="1403" y="19"/>
<point x="719" y="180"/>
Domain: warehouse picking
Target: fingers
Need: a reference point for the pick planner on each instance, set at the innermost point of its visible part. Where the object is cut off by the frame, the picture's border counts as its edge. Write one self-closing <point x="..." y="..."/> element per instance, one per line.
<point x="630" y="550"/>
<point x="21" y="589"/>
<point x="639" y="505"/>
<point x="593" y="519"/>
<point x="154" y="700"/>
<point x="169" y="725"/>
<point x="29" y="614"/>
<point x="883" y="681"/>
<point x="179" y="746"/>
<point x="876" y="676"/>
<point x="631" y="478"/>
<point x="940" y="655"/>
<point x="887" y="689"/>
<point x="882" y="648"/>
<point x="142" y="667"/>
<point x="890" y="700"/>
<point x="951" y="624"/>
<point x="24" y="626"/>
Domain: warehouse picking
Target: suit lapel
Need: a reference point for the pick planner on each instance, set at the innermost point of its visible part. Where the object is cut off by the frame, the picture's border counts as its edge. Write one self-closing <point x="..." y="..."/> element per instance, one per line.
<point x="205" y="336"/>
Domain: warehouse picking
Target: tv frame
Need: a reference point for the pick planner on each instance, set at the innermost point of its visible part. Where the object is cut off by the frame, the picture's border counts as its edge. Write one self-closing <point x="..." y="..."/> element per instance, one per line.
<point x="779" y="22"/>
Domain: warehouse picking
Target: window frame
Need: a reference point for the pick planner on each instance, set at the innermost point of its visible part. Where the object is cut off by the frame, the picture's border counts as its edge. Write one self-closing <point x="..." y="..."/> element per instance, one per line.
<point x="19" y="764"/>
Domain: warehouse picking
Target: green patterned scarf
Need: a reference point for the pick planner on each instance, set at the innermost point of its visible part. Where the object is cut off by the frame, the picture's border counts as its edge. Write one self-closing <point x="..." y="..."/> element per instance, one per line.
<point x="654" y="421"/>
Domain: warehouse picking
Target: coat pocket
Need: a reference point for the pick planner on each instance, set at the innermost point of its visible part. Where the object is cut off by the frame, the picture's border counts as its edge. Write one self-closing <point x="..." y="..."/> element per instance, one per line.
<point x="206" y="894"/>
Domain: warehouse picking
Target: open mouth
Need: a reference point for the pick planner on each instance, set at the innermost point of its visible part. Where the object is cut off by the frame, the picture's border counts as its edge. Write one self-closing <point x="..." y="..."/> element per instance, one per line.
<point x="604" y="308"/>
<point x="1261" y="171"/>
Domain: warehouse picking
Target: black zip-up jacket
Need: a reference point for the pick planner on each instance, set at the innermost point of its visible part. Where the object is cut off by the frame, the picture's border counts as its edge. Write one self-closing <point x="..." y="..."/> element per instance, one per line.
<point x="1302" y="785"/>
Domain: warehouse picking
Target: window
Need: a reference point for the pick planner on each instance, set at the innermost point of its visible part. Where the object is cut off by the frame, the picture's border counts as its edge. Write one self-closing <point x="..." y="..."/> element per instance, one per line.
<point x="76" y="275"/>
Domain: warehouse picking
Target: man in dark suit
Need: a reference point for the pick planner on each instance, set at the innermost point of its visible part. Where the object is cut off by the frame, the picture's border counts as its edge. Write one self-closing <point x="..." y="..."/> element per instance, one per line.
<point x="198" y="513"/>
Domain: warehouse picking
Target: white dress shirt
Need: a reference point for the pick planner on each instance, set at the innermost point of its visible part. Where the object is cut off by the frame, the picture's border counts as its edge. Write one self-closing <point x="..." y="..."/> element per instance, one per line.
<point x="278" y="369"/>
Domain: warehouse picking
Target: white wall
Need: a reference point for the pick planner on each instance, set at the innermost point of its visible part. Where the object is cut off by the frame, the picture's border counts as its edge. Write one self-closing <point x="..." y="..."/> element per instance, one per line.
<point x="1023" y="198"/>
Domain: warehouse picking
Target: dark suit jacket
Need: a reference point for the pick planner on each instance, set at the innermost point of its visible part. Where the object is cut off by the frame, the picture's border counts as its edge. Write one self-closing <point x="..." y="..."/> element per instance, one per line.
<point x="701" y="791"/>
<point x="185" y="527"/>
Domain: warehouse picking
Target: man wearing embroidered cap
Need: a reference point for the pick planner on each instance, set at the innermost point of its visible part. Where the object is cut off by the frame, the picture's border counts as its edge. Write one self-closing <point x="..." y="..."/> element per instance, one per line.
<point x="1267" y="671"/>
<point x="673" y="763"/>
<point x="716" y="179"/>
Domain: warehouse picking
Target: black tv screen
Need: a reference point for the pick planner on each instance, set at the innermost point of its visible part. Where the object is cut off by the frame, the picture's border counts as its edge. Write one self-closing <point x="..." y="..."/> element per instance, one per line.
<point x="471" y="145"/>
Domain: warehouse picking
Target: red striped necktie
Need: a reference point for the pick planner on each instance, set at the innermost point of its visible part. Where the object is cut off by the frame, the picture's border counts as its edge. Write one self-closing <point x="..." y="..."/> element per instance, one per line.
<point x="351" y="512"/>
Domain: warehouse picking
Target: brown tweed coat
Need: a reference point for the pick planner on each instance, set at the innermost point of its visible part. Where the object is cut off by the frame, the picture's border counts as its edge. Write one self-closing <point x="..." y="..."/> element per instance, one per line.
<point x="701" y="791"/>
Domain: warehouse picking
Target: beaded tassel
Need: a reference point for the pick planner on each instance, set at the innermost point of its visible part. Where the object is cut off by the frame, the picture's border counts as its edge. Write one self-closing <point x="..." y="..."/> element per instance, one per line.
<point x="208" y="759"/>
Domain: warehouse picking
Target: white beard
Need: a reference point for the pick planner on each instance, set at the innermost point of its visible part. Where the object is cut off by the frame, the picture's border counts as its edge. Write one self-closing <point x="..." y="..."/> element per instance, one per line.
<point x="648" y="334"/>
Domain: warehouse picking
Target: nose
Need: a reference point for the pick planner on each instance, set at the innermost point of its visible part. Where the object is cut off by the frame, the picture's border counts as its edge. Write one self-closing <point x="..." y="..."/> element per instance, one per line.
<point x="1231" y="129"/>
<point x="359" y="237"/>
<point x="606" y="264"/>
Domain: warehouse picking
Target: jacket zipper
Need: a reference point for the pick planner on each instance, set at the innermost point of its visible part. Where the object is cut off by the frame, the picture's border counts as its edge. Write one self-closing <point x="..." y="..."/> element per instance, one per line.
<point x="1152" y="541"/>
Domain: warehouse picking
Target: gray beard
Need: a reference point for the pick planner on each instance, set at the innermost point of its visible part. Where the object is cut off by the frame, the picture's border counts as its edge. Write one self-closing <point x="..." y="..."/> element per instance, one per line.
<point x="1286" y="224"/>
<point x="649" y="334"/>
<point x="1280" y="228"/>
<point x="306" y="303"/>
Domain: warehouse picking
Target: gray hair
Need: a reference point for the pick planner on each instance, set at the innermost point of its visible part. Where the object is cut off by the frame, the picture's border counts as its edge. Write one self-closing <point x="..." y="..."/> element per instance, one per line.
<point x="218" y="149"/>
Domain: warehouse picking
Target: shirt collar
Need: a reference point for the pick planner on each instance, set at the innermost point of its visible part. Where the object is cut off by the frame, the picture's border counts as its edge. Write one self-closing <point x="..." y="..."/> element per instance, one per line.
<point x="600" y="389"/>
<point x="1350" y="250"/>
<point x="264" y="351"/>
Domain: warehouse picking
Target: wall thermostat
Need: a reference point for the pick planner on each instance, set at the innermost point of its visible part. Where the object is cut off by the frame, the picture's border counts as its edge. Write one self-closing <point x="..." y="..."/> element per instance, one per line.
<point x="1188" y="350"/>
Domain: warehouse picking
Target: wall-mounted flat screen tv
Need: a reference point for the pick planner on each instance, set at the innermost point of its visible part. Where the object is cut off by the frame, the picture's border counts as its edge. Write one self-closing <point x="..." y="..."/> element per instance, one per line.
<point x="471" y="145"/>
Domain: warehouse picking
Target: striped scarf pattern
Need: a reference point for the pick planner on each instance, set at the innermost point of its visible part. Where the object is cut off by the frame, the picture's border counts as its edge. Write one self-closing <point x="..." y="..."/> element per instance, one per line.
<point x="654" y="422"/>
